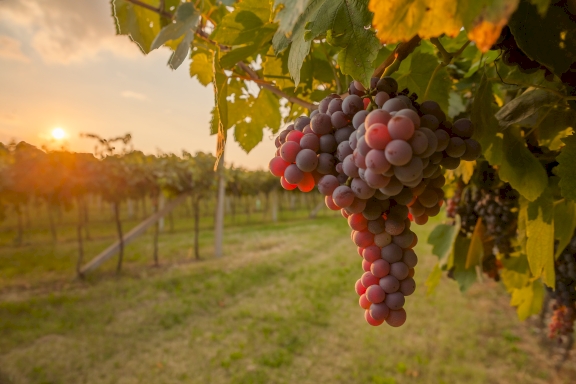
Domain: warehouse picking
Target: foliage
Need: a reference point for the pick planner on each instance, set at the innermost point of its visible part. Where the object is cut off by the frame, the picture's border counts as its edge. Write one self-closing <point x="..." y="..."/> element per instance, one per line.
<point x="299" y="51"/>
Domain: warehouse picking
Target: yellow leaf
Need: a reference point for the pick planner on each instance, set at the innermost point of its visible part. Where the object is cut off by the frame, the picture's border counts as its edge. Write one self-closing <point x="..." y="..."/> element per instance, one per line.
<point x="528" y="299"/>
<point x="400" y="20"/>
<point x="476" y="251"/>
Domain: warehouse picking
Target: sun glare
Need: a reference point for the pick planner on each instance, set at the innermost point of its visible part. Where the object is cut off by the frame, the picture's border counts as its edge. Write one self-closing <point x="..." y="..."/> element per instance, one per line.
<point x="58" y="133"/>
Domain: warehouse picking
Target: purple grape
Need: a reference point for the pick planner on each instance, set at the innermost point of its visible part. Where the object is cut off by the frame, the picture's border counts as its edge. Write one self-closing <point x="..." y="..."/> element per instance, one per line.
<point x="326" y="164"/>
<point x="398" y="152"/>
<point x="334" y="106"/>
<point x="349" y="168"/>
<point x="343" y="134"/>
<point x="343" y="150"/>
<point x="395" y="300"/>
<point x="389" y="284"/>
<point x="307" y="160"/>
<point x="328" y="144"/>
<point x="443" y="139"/>
<point x="301" y="122"/>
<point x="361" y="189"/>
<point x="343" y="196"/>
<point x="339" y="120"/>
<point x="321" y="124"/>
<point x="310" y="141"/>
<point x="430" y="122"/>
<point x="407" y="286"/>
<point x="352" y="104"/>
<point x="359" y="118"/>
<point x="456" y="147"/>
<point x="391" y="253"/>
<point x="394" y="105"/>
<point x="327" y="184"/>
<point x="376" y="161"/>
<point x="409" y="171"/>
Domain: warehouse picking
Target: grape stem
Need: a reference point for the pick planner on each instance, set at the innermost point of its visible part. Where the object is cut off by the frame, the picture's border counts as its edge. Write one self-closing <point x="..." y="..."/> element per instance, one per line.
<point x="245" y="67"/>
<point x="447" y="58"/>
<point x="349" y="181"/>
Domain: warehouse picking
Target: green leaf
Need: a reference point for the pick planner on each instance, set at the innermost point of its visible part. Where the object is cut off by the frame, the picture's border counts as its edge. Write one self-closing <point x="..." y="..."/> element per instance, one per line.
<point x="480" y="60"/>
<point x="248" y="135"/>
<point x="564" y="224"/>
<point x="442" y="239"/>
<point x="415" y="73"/>
<point x="241" y="53"/>
<point x="140" y="24"/>
<point x="528" y="299"/>
<point x="464" y="276"/>
<point x="201" y="66"/>
<point x="525" y="105"/>
<point x="245" y="24"/>
<point x="455" y="104"/>
<point x="540" y="234"/>
<point x="486" y="126"/>
<point x="181" y="51"/>
<point x="566" y="169"/>
<point x="433" y="279"/>
<point x="520" y="168"/>
<point x="289" y="13"/>
<point x="186" y="20"/>
<point x="547" y="39"/>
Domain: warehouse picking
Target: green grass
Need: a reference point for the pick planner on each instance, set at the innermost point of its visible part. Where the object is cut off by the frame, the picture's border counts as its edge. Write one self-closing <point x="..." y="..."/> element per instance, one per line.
<point x="279" y="307"/>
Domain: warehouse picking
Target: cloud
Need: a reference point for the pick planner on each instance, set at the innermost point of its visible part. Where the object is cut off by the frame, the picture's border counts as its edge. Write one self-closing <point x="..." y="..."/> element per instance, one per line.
<point x="66" y="31"/>
<point x="11" y="49"/>
<point x="134" y="95"/>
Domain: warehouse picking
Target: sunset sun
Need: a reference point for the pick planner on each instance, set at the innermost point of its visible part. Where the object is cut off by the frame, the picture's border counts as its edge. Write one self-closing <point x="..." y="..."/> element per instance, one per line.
<point x="58" y="133"/>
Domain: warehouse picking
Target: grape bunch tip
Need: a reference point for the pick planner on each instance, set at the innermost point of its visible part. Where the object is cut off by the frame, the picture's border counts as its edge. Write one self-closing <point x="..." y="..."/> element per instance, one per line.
<point x="378" y="157"/>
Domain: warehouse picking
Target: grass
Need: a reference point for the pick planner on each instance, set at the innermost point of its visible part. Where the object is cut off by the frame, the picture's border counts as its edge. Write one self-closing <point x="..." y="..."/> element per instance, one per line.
<point x="280" y="307"/>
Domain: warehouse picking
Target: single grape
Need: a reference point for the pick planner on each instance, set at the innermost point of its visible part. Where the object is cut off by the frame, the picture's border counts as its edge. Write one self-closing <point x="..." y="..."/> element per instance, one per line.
<point x="357" y="222"/>
<point x="398" y="152"/>
<point x="375" y="294"/>
<point x="409" y="258"/>
<point x="369" y="279"/>
<point x="377" y="116"/>
<point x="353" y="140"/>
<point x="360" y="289"/>
<point x="370" y="320"/>
<point x="357" y="206"/>
<point x="404" y="239"/>
<point x="382" y="239"/>
<point x="376" y="161"/>
<point x="391" y="253"/>
<point x="381" y="98"/>
<point x="343" y="134"/>
<point x="286" y="185"/>
<point x="400" y="127"/>
<point x="371" y="253"/>
<point x="412" y="115"/>
<point x="433" y="211"/>
<point x="359" y="160"/>
<point x="307" y="129"/>
<point x="343" y="150"/>
<point x="463" y="128"/>
<point x="430" y="122"/>
<point x="432" y="108"/>
<point x="328" y="144"/>
<point x="307" y="160"/>
<point x="443" y="139"/>
<point x="349" y="167"/>
<point x="399" y="270"/>
<point x="428" y="198"/>
<point x="310" y="141"/>
<point x="363" y="147"/>
<point x="379" y="312"/>
<point x="395" y="226"/>
<point x="361" y="189"/>
<point x="389" y="284"/>
<point x="394" y="301"/>
<point x="363" y="238"/>
<point x="372" y="210"/>
<point x="377" y="137"/>
<point x="380" y="268"/>
<point x="363" y="301"/>
<point x="396" y="318"/>
<point x="449" y="163"/>
<point x="278" y="166"/>
<point x="375" y="180"/>
<point x="387" y="84"/>
<point x="409" y="171"/>
<point x="359" y="118"/>
<point x="321" y="124"/>
<point x="328" y="184"/>
<point x="393" y="188"/>
<point x="419" y="142"/>
<point x="293" y="174"/>
<point x="376" y="226"/>
<point x="394" y="105"/>
<point x="307" y="183"/>
<point x="404" y="197"/>
<point x="421" y="220"/>
<point x="314" y="113"/>
<point x="456" y="147"/>
<point x="301" y="122"/>
<point x="335" y="105"/>
<point x="407" y="286"/>
<point x="405" y="99"/>
<point x="352" y="104"/>
<point x="473" y="150"/>
<point x="366" y="265"/>
<point x="432" y="142"/>
<point x="343" y="196"/>
<point x="289" y="150"/>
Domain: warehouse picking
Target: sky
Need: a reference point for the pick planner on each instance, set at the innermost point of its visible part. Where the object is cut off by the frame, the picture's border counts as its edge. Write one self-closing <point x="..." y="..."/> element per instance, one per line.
<point x="62" y="65"/>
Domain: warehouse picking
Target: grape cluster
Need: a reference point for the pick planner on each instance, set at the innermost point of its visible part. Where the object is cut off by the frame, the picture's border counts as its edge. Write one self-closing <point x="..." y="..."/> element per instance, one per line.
<point x="565" y="294"/>
<point x="512" y="55"/>
<point x="387" y="172"/>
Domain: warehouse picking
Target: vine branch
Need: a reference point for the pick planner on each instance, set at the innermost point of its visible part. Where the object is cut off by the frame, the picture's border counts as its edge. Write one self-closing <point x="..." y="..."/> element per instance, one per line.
<point x="401" y="51"/>
<point x="245" y="67"/>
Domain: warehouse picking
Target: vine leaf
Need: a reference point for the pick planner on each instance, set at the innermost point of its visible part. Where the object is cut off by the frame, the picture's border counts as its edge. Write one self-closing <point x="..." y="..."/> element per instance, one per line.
<point x="399" y="20"/>
<point x="547" y="39"/>
<point x="201" y="67"/>
<point x="442" y="239"/>
<point x="415" y="73"/>
<point x="524" y="106"/>
<point x="566" y="169"/>
<point x="516" y="272"/>
<point x="249" y="133"/>
<point x="564" y="223"/>
<point x="245" y="24"/>
<point x="288" y="14"/>
<point x="528" y="299"/>
<point x="486" y="125"/>
<point x="138" y="23"/>
<point x="541" y="5"/>
<point x="185" y="21"/>
<point x="520" y="168"/>
<point x="464" y="276"/>
<point x="433" y="279"/>
<point x="539" y="218"/>
<point x="475" y="253"/>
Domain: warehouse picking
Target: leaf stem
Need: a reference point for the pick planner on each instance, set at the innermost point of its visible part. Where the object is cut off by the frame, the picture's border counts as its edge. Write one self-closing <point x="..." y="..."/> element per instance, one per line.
<point x="401" y="51"/>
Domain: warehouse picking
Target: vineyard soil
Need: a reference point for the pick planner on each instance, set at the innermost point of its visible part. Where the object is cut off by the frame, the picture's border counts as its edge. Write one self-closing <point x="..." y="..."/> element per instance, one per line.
<point x="278" y="308"/>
